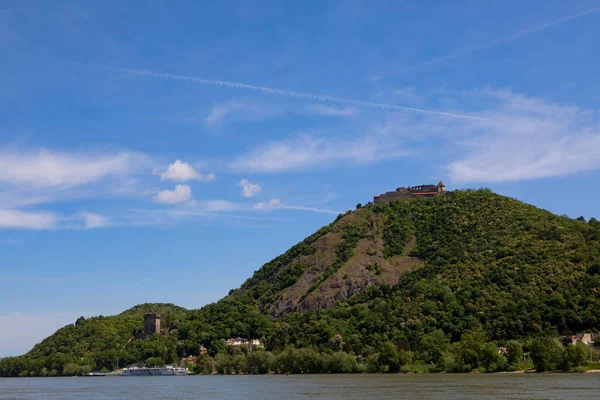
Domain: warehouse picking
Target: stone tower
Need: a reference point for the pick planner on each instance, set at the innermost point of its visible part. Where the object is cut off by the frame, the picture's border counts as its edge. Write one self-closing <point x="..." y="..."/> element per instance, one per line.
<point x="151" y="324"/>
<point x="441" y="188"/>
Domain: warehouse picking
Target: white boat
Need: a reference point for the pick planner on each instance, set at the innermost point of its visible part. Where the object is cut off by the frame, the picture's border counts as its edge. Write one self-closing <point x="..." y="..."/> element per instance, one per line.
<point x="169" y="370"/>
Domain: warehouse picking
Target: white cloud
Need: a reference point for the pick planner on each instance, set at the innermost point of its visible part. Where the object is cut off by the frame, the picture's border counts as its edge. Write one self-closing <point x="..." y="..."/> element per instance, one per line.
<point x="17" y="219"/>
<point x="240" y="109"/>
<point x="272" y="204"/>
<point x="323" y="109"/>
<point x="53" y="169"/>
<point x="527" y="138"/>
<point x="512" y="137"/>
<point x="181" y="194"/>
<point x="249" y="189"/>
<point x="181" y="172"/>
<point x="93" y="220"/>
<point x="306" y="152"/>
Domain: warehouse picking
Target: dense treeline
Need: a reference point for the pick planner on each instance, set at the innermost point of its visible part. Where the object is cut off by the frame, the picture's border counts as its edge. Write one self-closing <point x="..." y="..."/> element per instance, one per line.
<point x="433" y="353"/>
<point x="492" y="267"/>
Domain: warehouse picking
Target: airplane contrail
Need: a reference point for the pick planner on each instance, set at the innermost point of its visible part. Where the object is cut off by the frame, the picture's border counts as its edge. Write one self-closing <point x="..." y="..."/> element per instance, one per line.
<point x="301" y="95"/>
<point x="495" y="42"/>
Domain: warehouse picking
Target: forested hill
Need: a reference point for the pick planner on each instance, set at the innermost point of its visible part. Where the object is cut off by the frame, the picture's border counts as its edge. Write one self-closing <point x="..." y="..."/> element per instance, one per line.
<point x="465" y="263"/>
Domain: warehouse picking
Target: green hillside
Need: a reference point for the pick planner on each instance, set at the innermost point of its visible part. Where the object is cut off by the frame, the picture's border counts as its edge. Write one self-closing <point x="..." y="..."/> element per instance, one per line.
<point x="433" y="278"/>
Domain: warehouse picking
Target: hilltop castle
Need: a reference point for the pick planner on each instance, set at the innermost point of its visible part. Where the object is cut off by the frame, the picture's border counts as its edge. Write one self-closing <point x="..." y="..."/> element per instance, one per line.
<point x="408" y="192"/>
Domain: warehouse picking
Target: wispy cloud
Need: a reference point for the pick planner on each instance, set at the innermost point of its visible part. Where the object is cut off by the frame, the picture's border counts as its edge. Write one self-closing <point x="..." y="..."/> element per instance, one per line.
<point x="516" y="138"/>
<point x="408" y="94"/>
<point x="32" y="178"/>
<point x="495" y="42"/>
<point x="94" y="220"/>
<point x="208" y="210"/>
<point x="306" y="152"/>
<point x="180" y="171"/>
<point x="46" y="168"/>
<point x="311" y="209"/>
<point x="17" y="219"/>
<point x="275" y="204"/>
<point x="240" y="109"/>
<point x="48" y="220"/>
<point x="527" y="138"/>
<point x="209" y="206"/>
<point x="294" y="94"/>
<point x="11" y="242"/>
<point x="323" y="109"/>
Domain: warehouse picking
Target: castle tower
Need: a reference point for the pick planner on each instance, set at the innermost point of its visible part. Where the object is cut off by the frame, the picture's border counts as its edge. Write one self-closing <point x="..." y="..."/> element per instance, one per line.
<point x="441" y="188"/>
<point x="151" y="324"/>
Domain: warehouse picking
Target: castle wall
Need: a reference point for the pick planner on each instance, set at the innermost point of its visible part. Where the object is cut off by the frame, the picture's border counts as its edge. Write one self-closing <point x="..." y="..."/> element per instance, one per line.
<point x="407" y="193"/>
<point x="391" y="196"/>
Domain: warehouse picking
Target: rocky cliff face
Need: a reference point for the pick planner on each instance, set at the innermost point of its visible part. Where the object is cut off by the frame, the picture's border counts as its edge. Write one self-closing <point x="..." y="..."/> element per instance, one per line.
<point x="345" y="258"/>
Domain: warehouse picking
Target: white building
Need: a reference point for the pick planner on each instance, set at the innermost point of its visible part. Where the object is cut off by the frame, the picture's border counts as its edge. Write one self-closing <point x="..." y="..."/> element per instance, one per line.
<point x="238" y="341"/>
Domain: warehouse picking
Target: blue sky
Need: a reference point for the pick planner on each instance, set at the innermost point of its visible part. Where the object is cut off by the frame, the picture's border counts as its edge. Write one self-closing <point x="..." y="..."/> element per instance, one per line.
<point x="163" y="152"/>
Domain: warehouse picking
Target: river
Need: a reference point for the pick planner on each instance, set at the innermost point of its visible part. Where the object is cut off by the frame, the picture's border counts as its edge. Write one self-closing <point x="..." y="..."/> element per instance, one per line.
<point x="346" y="387"/>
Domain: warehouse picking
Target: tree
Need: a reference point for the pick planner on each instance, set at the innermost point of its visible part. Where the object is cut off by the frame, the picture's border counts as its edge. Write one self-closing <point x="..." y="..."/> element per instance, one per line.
<point x="341" y="362"/>
<point x="448" y="362"/>
<point x="515" y="352"/>
<point x="216" y="346"/>
<point x="468" y="349"/>
<point x="372" y="362"/>
<point x="239" y="363"/>
<point x="546" y="353"/>
<point x="204" y="364"/>
<point x="223" y="363"/>
<point x="260" y="361"/>
<point x="337" y="342"/>
<point x="311" y="362"/>
<point x="388" y="357"/>
<point x="72" y="369"/>
<point x="433" y="345"/>
<point x="491" y="359"/>
<point x="155" y="362"/>
<point x="574" y="355"/>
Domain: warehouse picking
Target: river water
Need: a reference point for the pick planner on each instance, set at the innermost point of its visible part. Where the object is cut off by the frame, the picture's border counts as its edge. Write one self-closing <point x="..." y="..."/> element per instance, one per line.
<point x="346" y="387"/>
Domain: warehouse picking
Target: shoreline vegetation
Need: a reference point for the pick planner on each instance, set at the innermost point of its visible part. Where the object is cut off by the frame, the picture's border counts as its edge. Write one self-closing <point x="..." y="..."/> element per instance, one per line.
<point x="546" y="354"/>
<point x="466" y="356"/>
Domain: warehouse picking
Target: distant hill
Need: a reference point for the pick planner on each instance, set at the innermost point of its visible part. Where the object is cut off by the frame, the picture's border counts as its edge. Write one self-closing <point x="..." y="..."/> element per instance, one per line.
<point x="460" y="262"/>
